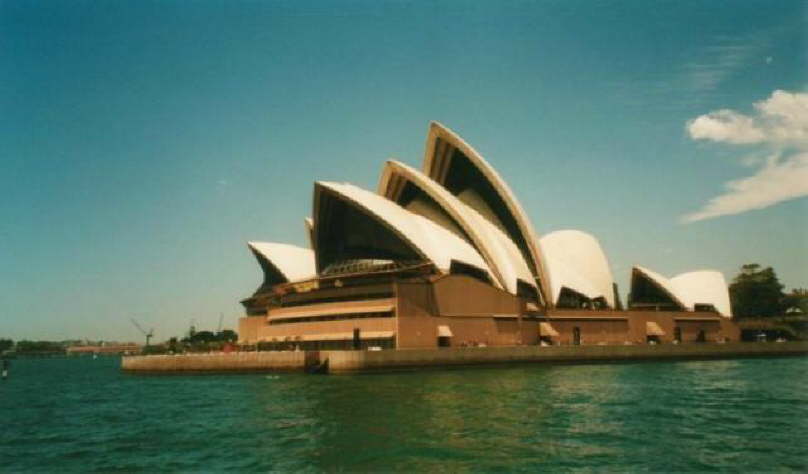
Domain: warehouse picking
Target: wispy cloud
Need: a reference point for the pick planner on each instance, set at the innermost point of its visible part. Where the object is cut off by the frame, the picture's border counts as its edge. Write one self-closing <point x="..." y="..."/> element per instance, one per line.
<point x="780" y="126"/>
<point x="727" y="56"/>
<point x="699" y="73"/>
<point x="720" y="61"/>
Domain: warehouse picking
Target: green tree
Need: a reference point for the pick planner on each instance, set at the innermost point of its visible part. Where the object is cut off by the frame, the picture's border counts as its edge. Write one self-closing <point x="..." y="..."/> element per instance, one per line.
<point x="227" y="335"/>
<point x="6" y="344"/>
<point x="203" y="336"/>
<point x="39" y="347"/>
<point x="756" y="292"/>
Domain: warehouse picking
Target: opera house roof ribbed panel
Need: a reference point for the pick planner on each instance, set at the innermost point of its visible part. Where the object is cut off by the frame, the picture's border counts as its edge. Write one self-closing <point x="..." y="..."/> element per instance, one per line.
<point x="418" y="193"/>
<point x="283" y="263"/>
<point x="453" y="163"/>
<point x="703" y="287"/>
<point x="686" y="290"/>
<point x="353" y="223"/>
<point x="576" y="261"/>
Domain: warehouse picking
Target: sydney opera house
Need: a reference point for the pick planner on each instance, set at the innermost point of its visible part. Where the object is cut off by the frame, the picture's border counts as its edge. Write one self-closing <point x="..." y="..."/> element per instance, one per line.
<point x="446" y="256"/>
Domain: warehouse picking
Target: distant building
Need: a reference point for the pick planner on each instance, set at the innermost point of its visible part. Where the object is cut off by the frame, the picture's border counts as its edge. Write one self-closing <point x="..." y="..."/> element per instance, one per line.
<point x="446" y="256"/>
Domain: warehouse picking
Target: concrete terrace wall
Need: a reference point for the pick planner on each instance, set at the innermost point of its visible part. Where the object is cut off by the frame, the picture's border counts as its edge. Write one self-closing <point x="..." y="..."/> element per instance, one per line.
<point x="233" y="362"/>
<point x="364" y="361"/>
<point x="369" y="361"/>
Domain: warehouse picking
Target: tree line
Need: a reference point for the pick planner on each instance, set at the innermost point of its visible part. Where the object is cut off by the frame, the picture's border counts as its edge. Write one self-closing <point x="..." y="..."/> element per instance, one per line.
<point x="196" y="341"/>
<point x="756" y="292"/>
<point x="32" y="347"/>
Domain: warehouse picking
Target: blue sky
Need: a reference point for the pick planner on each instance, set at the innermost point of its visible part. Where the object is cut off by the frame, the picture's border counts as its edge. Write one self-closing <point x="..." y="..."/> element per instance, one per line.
<point x="142" y="144"/>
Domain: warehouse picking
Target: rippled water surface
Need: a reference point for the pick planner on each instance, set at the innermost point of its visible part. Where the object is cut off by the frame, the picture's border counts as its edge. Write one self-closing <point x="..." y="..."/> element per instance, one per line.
<point x="83" y="414"/>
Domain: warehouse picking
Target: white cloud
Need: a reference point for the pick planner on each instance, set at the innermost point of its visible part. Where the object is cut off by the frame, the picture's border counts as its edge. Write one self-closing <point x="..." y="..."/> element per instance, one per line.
<point x="725" y="126"/>
<point x="776" y="182"/>
<point x="785" y="116"/>
<point x="780" y="124"/>
<point x="782" y="119"/>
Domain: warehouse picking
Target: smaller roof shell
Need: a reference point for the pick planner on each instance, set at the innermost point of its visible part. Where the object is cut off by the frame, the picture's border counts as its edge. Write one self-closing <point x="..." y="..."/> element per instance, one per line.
<point x="693" y="288"/>
<point x="703" y="287"/>
<point x="433" y="242"/>
<point x="576" y="260"/>
<point x="283" y="263"/>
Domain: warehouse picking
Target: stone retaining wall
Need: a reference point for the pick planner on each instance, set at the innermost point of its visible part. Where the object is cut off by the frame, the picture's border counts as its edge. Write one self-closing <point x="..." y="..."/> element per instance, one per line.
<point x="232" y="362"/>
<point x="364" y="361"/>
<point x="368" y="361"/>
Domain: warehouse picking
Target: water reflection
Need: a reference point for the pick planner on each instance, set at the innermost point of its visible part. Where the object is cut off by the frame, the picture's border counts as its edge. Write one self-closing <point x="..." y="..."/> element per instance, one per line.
<point x="530" y="417"/>
<point x="725" y="415"/>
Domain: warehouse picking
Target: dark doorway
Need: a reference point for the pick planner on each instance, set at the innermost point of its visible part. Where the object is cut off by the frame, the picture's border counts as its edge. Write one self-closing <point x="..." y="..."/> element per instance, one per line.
<point x="652" y="340"/>
<point x="357" y="341"/>
<point x="444" y="341"/>
<point x="701" y="337"/>
<point x="576" y="336"/>
<point x="677" y="334"/>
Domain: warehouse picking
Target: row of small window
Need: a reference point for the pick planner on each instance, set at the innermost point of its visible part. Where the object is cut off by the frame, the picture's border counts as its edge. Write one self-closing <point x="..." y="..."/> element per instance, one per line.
<point x="701" y="336"/>
<point x="338" y="345"/>
<point x="287" y="303"/>
<point x="337" y="317"/>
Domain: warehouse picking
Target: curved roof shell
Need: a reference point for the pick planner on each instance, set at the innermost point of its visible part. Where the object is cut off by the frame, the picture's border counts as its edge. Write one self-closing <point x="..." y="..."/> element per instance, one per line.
<point x="703" y="287"/>
<point x="576" y="260"/>
<point x="454" y="164"/>
<point x="283" y="263"/>
<point x="692" y="288"/>
<point x="415" y="191"/>
<point x="353" y="223"/>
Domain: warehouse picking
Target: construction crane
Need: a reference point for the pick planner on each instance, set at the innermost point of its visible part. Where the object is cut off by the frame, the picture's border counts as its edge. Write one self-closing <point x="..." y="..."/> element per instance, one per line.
<point x="148" y="334"/>
<point x="221" y="317"/>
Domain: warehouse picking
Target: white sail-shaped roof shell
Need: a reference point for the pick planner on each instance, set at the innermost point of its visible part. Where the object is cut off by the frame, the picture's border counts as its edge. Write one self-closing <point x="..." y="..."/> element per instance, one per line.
<point x="662" y="282"/>
<point x="575" y="260"/>
<point x="703" y="287"/>
<point x="293" y="263"/>
<point x="693" y="288"/>
<point x="500" y="253"/>
<point x="437" y="165"/>
<point x="433" y="242"/>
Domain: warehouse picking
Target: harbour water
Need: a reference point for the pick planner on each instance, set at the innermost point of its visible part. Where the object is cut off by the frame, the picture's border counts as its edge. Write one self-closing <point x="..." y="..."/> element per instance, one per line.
<point x="729" y="415"/>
